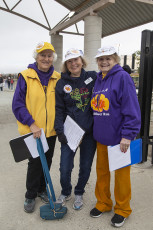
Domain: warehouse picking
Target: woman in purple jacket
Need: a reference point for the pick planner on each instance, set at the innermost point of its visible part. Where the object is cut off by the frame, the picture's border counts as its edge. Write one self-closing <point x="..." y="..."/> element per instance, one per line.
<point x="116" y="121"/>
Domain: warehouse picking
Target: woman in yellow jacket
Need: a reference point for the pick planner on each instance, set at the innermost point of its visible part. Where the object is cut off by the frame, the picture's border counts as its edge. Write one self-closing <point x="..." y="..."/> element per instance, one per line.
<point x="34" y="108"/>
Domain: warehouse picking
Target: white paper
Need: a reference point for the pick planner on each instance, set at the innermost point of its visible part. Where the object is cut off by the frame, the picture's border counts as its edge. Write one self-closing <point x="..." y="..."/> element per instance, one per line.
<point x="73" y="133"/>
<point x="32" y="144"/>
<point x="88" y="80"/>
<point x="118" y="159"/>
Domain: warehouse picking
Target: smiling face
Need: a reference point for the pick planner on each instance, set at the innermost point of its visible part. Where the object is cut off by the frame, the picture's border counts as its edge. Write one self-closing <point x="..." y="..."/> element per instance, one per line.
<point x="74" y="66"/>
<point x="44" y="60"/>
<point x="106" y="63"/>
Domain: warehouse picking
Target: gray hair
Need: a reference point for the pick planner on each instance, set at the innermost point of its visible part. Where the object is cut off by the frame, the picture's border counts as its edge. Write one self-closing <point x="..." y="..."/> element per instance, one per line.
<point x="35" y="54"/>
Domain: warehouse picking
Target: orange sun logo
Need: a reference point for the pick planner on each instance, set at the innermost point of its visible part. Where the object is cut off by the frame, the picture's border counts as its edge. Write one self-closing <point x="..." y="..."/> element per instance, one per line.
<point x="100" y="103"/>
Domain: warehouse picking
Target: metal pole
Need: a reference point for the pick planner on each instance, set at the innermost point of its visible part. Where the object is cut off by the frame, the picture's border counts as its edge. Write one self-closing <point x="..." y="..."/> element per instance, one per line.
<point x="145" y="88"/>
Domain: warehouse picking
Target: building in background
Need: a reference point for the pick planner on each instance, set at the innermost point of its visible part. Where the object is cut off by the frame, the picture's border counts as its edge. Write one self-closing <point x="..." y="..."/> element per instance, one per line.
<point x="130" y="60"/>
<point x="134" y="62"/>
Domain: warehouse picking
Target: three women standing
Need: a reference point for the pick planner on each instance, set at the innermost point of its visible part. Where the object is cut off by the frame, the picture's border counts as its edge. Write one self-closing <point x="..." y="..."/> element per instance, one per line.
<point x="116" y="121"/>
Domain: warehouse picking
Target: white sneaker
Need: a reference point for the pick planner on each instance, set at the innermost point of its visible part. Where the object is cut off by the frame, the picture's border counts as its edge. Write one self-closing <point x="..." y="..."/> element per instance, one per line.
<point x="62" y="199"/>
<point x="78" y="203"/>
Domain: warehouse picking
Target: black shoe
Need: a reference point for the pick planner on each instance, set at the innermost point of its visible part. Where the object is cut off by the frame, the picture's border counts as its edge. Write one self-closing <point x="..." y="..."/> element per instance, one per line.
<point x="44" y="197"/>
<point x="95" y="213"/>
<point x="117" y="220"/>
<point x="29" y="205"/>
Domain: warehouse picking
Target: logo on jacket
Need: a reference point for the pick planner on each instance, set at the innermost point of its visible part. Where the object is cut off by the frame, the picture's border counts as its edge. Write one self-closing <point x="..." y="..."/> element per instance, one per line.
<point x="100" y="103"/>
<point x="67" y="89"/>
<point x="82" y="97"/>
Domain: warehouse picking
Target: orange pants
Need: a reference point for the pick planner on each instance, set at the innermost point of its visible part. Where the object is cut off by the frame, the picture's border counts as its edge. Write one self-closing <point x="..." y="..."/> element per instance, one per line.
<point x="122" y="190"/>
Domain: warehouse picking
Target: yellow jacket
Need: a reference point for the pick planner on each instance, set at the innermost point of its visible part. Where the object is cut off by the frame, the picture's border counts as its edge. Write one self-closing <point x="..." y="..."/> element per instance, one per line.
<point x="40" y="105"/>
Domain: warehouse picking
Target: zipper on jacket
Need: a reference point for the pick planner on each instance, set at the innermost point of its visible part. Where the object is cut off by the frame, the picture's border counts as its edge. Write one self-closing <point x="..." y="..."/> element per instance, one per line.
<point x="45" y="92"/>
<point x="46" y="114"/>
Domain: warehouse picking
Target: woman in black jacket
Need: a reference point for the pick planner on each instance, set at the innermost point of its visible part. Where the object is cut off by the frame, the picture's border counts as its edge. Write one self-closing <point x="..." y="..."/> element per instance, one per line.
<point x="73" y="94"/>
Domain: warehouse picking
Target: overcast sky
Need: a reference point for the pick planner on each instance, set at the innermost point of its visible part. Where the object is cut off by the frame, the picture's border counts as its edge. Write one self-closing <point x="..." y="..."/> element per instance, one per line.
<point x="18" y="37"/>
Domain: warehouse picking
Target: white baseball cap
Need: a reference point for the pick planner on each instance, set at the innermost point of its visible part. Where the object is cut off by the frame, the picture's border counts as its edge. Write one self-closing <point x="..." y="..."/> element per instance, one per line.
<point x="104" y="51"/>
<point x="73" y="53"/>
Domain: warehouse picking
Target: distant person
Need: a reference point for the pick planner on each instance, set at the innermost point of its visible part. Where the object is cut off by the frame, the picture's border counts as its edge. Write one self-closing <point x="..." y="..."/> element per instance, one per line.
<point x="5" y="82"/>
<point x="116" y="121"/>
<point x="34" y="108"/>
<point x="1" y="82"/>
<point x="127" y="69"/>
<point x="73" y="94"/>
<point x="11" y="83"/>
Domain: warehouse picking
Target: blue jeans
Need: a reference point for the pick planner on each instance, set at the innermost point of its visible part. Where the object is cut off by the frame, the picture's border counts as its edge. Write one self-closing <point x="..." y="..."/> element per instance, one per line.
<point x="87" y="152"/>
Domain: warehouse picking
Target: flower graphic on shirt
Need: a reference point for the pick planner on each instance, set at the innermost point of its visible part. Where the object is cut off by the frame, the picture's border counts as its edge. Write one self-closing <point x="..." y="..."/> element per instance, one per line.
<point x="81" y="96"/>
<point x="100" y="103"/>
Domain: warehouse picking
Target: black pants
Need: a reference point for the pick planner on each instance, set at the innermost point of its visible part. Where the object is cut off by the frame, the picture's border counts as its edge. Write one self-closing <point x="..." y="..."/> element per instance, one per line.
<point x="35" y="181"/>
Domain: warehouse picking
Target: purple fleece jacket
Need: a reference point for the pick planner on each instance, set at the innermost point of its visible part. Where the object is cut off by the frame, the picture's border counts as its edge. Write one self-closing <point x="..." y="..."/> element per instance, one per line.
<point x="18" y="105"/>
<point x="115" y="107"/>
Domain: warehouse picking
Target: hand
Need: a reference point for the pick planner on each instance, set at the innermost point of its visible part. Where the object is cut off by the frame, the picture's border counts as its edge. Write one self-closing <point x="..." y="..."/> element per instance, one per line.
<point x="62" y="138"/>
<point x="124" y="145"/>
<point x="35" y="130"/>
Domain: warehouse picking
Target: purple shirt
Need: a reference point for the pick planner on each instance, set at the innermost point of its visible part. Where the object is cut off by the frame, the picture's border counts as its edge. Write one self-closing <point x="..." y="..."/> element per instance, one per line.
<point x="115" y="107"/>
<point x="19" y="100"/>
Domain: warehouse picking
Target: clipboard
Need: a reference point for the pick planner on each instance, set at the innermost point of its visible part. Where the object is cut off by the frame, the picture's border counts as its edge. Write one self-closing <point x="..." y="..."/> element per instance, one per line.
<point x="117" y="159"/>
<point x="136" y="151"/>
<point x="19" y="148"/>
